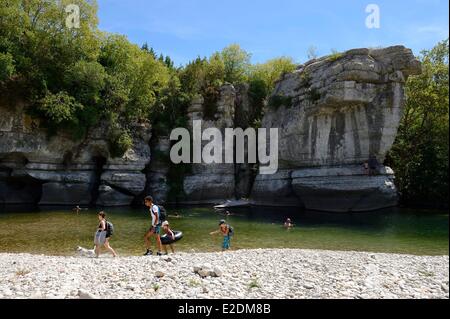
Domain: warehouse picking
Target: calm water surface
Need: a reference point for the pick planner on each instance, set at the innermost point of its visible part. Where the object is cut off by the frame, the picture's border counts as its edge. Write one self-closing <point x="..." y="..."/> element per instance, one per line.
<point x="58" y="231"/>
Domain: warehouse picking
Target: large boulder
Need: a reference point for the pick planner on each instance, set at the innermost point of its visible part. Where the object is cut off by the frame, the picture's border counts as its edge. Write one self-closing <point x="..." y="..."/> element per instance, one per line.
<point x="332" y="115"/>
<point x="344" y="189"/>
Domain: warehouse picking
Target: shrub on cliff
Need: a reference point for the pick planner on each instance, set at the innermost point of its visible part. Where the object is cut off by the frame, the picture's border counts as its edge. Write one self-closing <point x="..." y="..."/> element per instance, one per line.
<point x="119" y="142"/>
<point x="257" y="92"/>
<point x="271" y="71"/>
<point x="59" y="109"/>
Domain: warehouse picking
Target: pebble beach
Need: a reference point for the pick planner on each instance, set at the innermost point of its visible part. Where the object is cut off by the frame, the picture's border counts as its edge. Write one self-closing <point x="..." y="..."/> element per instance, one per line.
<point x="260" y="273"/>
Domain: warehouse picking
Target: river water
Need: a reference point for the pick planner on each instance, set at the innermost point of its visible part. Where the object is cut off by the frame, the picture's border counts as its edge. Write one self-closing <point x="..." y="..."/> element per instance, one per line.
<point x="58" y="231"/>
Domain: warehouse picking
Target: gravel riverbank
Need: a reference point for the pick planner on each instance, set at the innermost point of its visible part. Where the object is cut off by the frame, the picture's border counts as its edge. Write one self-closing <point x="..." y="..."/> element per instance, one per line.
<point x="261" y="273"/>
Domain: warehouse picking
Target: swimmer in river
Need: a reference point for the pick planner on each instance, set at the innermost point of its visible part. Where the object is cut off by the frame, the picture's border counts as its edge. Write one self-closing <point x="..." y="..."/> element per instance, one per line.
<point x="225" y="213"/>
<point x="77" y="209"/>
<point x="288" y="224"/>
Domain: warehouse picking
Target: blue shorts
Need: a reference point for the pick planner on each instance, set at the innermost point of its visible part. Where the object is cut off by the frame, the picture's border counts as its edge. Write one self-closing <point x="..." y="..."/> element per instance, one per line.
<point x="155" y="229"/>
<point x="226" y="242"/>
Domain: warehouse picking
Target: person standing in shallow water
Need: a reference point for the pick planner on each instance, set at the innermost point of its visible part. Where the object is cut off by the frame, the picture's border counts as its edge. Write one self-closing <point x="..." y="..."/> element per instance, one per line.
<point x="227" y="232"/>
<point x="102" y="236"/>
<point x="154" y="230"/>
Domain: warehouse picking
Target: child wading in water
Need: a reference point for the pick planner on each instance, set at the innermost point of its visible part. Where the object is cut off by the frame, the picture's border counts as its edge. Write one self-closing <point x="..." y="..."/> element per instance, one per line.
<point x="169" y="233"/>
<point x="103" y="234"/>
<point x="227" y="232"/>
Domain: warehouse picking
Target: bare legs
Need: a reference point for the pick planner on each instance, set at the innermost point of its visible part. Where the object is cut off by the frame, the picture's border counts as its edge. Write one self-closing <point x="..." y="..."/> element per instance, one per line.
<point x="147" y="237"/>
<point x="97" y="250"/>
<point x="171" y="248"/>
<point x="158" y="242"/>
<point x="107" y="246"/>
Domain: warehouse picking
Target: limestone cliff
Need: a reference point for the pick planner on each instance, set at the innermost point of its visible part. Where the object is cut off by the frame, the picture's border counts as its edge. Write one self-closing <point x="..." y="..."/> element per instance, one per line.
<point x="212" y="183"/>
<point x="35" y="168"/>
<point x="332" y="114"/>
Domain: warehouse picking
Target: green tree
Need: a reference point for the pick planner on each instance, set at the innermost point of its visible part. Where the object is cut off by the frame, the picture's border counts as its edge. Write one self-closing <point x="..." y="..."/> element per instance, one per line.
<point x="34" y="33"/>
<point x="7" y="68"/>
<point x="85" y="80"/>
<point x="215" y="70"/>
<point x="59" y="109"/>
<point x="271" y="71"/>
<point x="44" y="51"/>
<point x="236" y="62"/>
<point x="193" y="76"/>
<point x="419" y="155"/>
<point x="73" y="77"/>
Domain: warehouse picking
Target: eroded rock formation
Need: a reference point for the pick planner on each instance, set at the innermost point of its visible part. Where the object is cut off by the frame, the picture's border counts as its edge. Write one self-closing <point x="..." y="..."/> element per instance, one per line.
<point x="332" y="114"/>
<point x="211" y="183"/>
<point x="35" y="168"/>
<point x="157" y="173"/>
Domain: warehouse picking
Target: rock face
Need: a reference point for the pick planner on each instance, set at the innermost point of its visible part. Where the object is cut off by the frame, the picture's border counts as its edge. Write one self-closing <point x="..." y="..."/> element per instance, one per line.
<point x="212" y="183"/>
<point x="157" y="183"/>
<point x="332" y="115"/>
<point x="56" y="170"/>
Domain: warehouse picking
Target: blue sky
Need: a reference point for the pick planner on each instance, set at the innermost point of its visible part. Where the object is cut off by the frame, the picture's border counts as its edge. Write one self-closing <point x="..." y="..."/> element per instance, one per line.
<point x="185" y="29"/>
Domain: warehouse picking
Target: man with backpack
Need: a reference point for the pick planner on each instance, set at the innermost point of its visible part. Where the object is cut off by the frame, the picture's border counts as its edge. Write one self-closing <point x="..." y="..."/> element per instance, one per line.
<point x="227" y="231"/>
<point x="154" y="230"/>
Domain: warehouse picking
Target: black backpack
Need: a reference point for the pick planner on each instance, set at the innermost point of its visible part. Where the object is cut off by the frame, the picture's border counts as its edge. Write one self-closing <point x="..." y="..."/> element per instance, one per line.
<point x="162" y="213"/>
<point x="109" y="227"/>
<point x="230" y="230"/>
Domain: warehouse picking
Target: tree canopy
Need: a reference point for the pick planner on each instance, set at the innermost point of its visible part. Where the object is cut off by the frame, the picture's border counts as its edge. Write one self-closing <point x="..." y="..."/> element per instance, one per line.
<point x="419" y="156"/>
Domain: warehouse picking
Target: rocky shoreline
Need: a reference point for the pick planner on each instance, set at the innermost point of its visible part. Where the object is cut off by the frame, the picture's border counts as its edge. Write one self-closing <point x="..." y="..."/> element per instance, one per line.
<point x="261" y="273"/>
